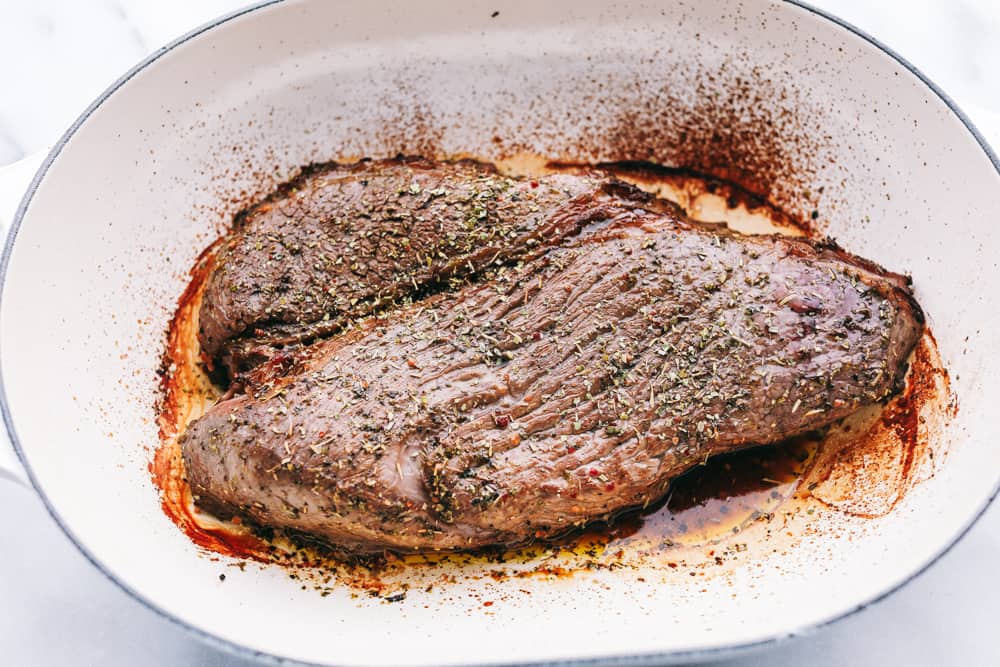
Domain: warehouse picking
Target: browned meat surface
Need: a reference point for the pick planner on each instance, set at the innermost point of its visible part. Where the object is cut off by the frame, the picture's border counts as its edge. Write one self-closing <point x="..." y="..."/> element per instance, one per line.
<point x="558" y="387"/>
<point x="344" y="241"/>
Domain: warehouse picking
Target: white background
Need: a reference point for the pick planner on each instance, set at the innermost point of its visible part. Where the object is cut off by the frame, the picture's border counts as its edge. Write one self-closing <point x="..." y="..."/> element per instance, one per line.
<point x="55" y="609"/>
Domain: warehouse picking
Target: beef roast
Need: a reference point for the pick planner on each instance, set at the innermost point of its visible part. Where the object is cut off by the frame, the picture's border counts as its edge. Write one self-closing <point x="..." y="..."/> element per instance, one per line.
<point x="346" y="240"/>
<point x="572" y="380"/>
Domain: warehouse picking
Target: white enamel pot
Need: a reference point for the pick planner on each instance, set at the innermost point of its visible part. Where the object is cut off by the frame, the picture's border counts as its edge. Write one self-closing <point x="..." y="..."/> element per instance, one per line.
<point x="815" y="114"/>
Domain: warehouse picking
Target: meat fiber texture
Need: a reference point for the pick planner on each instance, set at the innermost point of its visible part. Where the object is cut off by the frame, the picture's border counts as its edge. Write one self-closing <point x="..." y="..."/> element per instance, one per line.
<point x="341" y="242"/>
<point x="511" y="365"/>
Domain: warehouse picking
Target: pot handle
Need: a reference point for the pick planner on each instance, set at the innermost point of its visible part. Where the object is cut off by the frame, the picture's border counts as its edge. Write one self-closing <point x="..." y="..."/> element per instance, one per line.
<point x="11" y="467"/>
<point x="14" y="180"/>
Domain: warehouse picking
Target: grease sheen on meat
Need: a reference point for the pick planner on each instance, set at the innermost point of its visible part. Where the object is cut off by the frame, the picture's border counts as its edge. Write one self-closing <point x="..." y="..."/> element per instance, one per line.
<point x="564" y="382"/>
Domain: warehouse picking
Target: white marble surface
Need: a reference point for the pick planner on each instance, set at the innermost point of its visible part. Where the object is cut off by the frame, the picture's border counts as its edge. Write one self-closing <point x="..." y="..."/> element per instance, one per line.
<point x="55" y="609"/>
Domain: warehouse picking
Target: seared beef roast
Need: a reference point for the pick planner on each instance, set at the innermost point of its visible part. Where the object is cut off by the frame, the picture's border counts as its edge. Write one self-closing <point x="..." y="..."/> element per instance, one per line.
<point x="345" y="241"/>
<point x="598" y="347"/>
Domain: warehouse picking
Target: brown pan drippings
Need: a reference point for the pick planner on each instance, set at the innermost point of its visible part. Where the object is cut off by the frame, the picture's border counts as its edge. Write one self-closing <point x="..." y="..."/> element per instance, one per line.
<point x="861" y="467"/>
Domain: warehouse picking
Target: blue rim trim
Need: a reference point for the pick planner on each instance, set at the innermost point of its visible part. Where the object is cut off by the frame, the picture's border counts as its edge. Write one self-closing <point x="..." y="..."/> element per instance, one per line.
<point x="628" y="659"/>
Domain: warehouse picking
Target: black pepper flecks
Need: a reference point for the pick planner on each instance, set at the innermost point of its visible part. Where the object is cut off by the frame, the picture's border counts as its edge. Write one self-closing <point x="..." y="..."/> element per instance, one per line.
<point x="557" y="385"/>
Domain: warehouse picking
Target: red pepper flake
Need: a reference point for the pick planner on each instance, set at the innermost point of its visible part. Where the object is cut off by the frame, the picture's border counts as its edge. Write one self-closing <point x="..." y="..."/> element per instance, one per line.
<point x="594" y="472"/>
<point x="411" y="362"/>
<point x="536" y="336"/>
<point x="502" y="421"/>
<point x="534" y="184"/>
<point x="610" y="486"/>
<point x="488" y="603"/>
